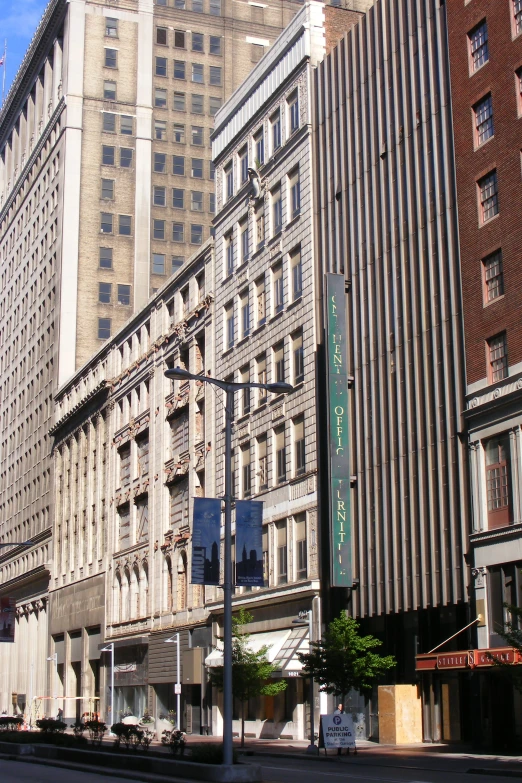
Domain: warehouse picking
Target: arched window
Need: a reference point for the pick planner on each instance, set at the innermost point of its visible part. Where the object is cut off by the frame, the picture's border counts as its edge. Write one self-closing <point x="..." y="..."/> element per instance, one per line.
<point x="116" y="606"/>
<point x="144" y="588"/>
<point x="135" y="593"/>
<point x="169" y="587"/>
<point x="126" y="596"/>
<point x="182" y="582"/>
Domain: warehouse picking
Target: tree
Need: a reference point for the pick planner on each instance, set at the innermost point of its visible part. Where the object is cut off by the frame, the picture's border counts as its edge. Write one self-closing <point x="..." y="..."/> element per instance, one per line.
<point x="343" y="659"/>
<point x="512" y="633"/>
<point x="251" y="670"/>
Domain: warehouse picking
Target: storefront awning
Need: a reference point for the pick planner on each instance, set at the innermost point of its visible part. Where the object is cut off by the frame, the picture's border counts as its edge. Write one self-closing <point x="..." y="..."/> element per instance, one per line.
<point x="274" y="640"/>
<point x="467" y="659"/>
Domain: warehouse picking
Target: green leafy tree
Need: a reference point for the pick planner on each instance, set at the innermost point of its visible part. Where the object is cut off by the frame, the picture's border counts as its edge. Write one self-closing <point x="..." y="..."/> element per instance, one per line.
<point x="512" y="633"/>
<point x="251" y="670"/>
<point x="343" y="659"/>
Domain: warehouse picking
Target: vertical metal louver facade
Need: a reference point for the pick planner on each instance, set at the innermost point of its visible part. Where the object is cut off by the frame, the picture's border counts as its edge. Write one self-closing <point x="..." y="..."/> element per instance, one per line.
<point x="387" y="219"/>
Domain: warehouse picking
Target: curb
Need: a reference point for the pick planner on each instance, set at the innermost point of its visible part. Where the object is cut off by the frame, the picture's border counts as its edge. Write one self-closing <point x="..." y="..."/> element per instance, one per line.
<point x="506" y="773"/>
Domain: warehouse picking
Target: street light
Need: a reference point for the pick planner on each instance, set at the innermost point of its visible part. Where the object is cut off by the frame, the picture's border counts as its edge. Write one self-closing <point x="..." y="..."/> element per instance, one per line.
<point x="177" y="373"/>
<point x="110" y="648"/>
<point x="312" y="749"/>
<point x="54" y="657"/>
<point x="175" y="639"/>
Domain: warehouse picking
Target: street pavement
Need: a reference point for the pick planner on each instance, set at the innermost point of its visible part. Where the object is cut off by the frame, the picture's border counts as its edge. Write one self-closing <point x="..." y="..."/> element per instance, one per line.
<point x="22" y="772"/>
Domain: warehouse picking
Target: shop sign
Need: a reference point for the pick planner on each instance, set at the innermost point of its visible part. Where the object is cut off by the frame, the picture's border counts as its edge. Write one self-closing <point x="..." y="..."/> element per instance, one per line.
<point x="124" y="667"/>
<point x="338" y="433"/>
<point x="468" y="659"/>
<point x="453" y="661"/>
<point x="337" y="731"/>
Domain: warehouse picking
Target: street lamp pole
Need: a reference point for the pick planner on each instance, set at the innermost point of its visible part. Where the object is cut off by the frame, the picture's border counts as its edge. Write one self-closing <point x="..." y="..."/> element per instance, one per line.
<point x="177" y="373"/>
<point x="54" y="658"/>
<point x="110" y="648"/>
<point x="312" y="749"/>
<point x="178" y="683"/>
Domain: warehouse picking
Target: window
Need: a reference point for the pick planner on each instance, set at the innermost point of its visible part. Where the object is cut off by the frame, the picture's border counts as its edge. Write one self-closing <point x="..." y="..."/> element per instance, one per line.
<point x="483" y="111"/>
<point x="124" y="520"/>
<point x="488" y="195"/>
<point x="109" y="91"/>
<point x="108" y="156"/>
<point x="277" y="210"/>
<point x="295" y="193"/>
<point x="229" y="326"/>
<point x="261" y="377"/>
<point x="176" y="262"/>
<point x="215" y="7"/>
<point x="298" y="357"/>
<point x="158" y="264"/>
<point x="124" y="292"/>
<point x="517" y="15"/>
<point x="197" y="168"/>
<point x="104" y="293"/>
<point x="179" y="101"/>
<point x="260" y="225"/>
<point x="243" y="240"/>
<point x="178" y="198"/>
<point x="198" y="42"/>
<point x="215" y="75"/>
<point x="478" y="46"/>
<point x="179" y="133"/>
<point x="296" y="270"/>
<point x="105" y="257"/>
<point x="161" y="66"/>
<point x="278" y="353"/>
<point x="111" y="27"/>
<point x="197" y="104"/>
<point x="257" y="52"/>
<point x="275" y="126"/>
<point x="111" y="58"/>
<point x="109" y="122"/>
<point x="160" y="98"/>
<point x="262" y="464"/>
<point x="196" y="201"/>
<point x="212" y="203"/>
<point x="493" y="276"/>
<point x="211" y="170"/>
<point x="196" y="234"/>
<point x="178" y="232"/>
<point x="179" y="39"/>
<point x="498" y="479"/>
<point x="299" y="446"/>
<point x="244" y="377"/>
<point x="197" y="135"/>
<point x="245" y="314"/>
<point x="301" y="570"/>
<point x="181" y="4"/>
<point x="104" y="328"/>
<point x="243" y="165"/>
<point x="214" y="105"/>
<point x="178" y="165"/>
<point x="107" y="189"/>
<point x="215" y="44"/>
<point x="293" y="112"/>
<point x="277" y="288"/>
<point x="125" y="458"/>
<point x="197" y="73"/>
<point x="161" y="36"/>
<point x="125" y="158"/>
<point x="497" y="357"/>
<point x="246" y="474"/>
<point x="179" y="69"/>
<point x="160" y="130"/>
<point x="158" y="229"/>
<point x="229" y="254"/>
<point x="125" y="225"/>
<point x="126" y="125"/>
<point x="197" y="6"/>
<point x="259" y="144"/>
<point x="159" y="197"/>
<point x="260" y="302"/>
<point x="229" y="181"/>
<point x="282" y="552"/>
<point x="106" y="223"/>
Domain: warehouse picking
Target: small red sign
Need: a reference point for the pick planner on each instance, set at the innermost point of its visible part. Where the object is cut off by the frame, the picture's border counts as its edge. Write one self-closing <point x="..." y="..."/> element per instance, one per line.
<point x="457" y="660"/>
<point x="468" y="659"/>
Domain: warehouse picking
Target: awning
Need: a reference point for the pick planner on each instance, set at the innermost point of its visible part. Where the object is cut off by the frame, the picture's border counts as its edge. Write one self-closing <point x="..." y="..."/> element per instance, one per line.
<point x="468" y="659"/>
<point x="289" y="663"/>
<point x="274" y="640"/>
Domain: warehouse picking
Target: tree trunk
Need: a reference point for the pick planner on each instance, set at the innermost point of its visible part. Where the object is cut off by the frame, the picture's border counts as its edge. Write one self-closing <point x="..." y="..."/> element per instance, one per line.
<point x="242" y="724"/>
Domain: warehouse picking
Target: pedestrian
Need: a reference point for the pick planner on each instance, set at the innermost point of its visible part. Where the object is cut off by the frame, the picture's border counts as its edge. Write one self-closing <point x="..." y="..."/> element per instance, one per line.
<point x="60" y="714"/>
<point x="339" y="711"/>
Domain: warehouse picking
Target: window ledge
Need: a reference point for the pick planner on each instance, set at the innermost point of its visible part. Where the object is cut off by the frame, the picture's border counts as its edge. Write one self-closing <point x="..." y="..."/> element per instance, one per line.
<point x="293" y="221"/>
<point x="259" y="328"/>
<point x="298" y="300"/>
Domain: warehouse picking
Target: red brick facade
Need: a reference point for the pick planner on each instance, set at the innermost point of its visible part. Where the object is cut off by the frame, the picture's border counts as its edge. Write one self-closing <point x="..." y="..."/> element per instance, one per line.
<point x="501" y="152"/>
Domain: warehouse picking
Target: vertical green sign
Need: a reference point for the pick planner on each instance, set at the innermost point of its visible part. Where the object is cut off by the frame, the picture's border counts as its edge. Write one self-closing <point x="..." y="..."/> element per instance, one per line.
<point x="340" y="522"/>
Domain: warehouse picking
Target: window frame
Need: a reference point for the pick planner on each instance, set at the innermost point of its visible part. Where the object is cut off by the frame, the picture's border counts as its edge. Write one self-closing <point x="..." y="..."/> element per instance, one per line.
<point x="492" y="283"/>
<point x="497" y="357"/>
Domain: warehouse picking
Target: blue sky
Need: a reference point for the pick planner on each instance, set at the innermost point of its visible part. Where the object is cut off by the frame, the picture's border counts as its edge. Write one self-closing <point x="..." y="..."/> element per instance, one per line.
<point x="18" y="22"/>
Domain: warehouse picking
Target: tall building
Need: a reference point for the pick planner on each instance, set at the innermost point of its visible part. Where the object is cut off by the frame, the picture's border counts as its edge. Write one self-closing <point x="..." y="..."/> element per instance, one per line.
<point x="485" y="44"/>
<point x="105" y="188"/>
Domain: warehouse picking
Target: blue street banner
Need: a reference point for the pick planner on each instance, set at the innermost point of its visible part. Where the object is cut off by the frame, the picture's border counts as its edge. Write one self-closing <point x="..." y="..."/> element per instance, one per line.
<point x="206" y="524"/>
<point x="249" y="543"/>
<point x="7" y="618"/>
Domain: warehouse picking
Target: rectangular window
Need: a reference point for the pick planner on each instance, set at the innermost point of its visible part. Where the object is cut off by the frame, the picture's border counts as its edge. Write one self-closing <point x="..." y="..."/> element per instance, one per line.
<point x="212" y="203"/>
<point x="179" y="133"/>
<point x="197" y="6"/>
<point x="197" y="104"/>
<point x="161" y="66"/>
<point x="111" y="27"/>
<point x="245" y="314"/>
<point x="178" y="198"/>
<point x="196" y="234"/>
<point x="478" y="46"/>
<point x="215" y="7"/>
<point x="109" y="122"/>
<point x="215" y="44"/>
<point x="488" y="195"/>
<point x="107" y="189"/>
<point x="125" y="458"/>
<point x="497" y="357"/>
<point x="493" y="276"/>
<point x="259" y="144"/>
<point x="260" y="225"/>
<point x="158" y="264"/>
<point x="105" y="257"/>
<point x="215" y="75"/>
<point x="111" y="58"/>
<point x="244" y="377"/>
<point x="229" y="326"/>
<point x="178" y="232"/>
<point x="301" y="571"/>
<point x="159" y="196"/>
<point x="197" y="168"/>
<point x="498" y="470"/>
<point x="229" y="181"/>
<point x="178" y="165"/>
<point x="243" y="240"/>
<point x="126" y="125"/>
<point x="106" y="223"/>
<point x="278" y="353"/>
<point x="125" y="225"/>
<point x="277" y="210"/>
<point x="109" y="91"/>
<point x="483" y="111"/>
<point x="107" y="156"/>
<point x="179" y="101"/>
<point x="198" y="42"/>
<point x="260" y="302"/>
<point x="161" y="36"/>
<point x="160" y="98"/>
<point x="229" y="254"/>
<point x="275" y="127"/>
<point x="142" y="449"/>
<point x="197" y="135"/>
<point x="246" y="474"/>
<point x="257" y="51"/>
<point x="176" y="262"/>
<point x="124" y="521"/>
<point x="179" y="69"/>
<point x="125" y="158"/>
<point x="294" y="185"/>
<point x="214" y="105"/>
<point x="299" y="447"/>
<point x="158" y="229"/>
<point x="160" y="130"/>
<point x="277" y="289"/>
<point x="282" y="552"/>
<point x="124" y="292"/>
<point x="296" y="270"/>
<point x="261" y="377"/>
<point x="211" y="170"/>
<point x="243" y="165"/>
<point x="293" y="112"/>
<point x="180" y="4"/>
<point x="262" y="464"/>
<point x="196" y="201"/>
<point x="197" y="73"/>
<point x="298" y="357"/>
<point x="179" y="39"/>
<point x="104" y="293"/>
<point x="104" y="328"/>
<point x="517" y="15"/>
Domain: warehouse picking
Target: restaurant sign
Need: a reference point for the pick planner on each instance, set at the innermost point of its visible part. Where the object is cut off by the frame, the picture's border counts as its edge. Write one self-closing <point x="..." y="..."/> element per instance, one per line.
<point x="468" y="659"/>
